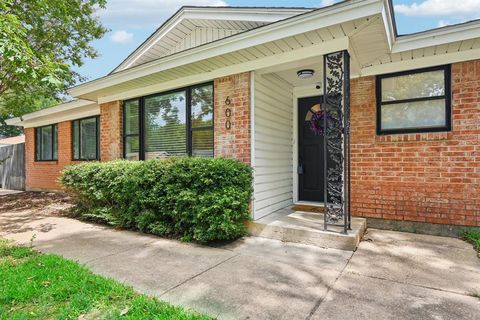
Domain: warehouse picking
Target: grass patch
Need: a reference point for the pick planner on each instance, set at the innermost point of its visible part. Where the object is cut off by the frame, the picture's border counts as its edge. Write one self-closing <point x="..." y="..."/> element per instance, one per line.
<point x="44" y="286"/>
<point x="472" y="236"/>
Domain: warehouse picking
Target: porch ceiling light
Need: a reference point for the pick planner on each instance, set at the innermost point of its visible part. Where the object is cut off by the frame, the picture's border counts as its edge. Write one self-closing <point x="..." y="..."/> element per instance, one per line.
<point x="305" y="73"/>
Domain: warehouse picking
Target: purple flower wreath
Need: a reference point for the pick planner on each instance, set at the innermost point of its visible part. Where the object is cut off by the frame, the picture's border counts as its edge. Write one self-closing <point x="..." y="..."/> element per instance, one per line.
<point x="316" y="123"/>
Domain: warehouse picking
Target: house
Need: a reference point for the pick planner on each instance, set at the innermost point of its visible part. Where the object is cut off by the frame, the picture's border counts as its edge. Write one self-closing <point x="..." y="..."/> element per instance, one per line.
<point x="402" y="112"/>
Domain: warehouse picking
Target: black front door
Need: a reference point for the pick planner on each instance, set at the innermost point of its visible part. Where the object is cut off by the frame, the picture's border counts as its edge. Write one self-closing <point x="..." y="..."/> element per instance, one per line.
<point x="310" y="152"/>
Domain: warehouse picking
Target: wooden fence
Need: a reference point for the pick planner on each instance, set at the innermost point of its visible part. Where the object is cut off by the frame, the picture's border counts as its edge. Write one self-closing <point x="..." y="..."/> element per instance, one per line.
<point x="12" y="167"/>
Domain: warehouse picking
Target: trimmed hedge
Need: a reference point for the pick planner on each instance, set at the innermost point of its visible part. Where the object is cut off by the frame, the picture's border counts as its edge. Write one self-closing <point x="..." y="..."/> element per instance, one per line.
<point x="199" y="199"/>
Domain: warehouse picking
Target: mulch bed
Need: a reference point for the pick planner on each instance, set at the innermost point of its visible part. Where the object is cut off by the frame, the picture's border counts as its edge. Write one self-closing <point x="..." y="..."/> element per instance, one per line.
<point x="56" y="203"/>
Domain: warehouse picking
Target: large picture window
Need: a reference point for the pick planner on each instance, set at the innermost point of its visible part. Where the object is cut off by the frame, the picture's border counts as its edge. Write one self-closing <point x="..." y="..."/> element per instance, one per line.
<point x="414" y="101"/>
<point x="175" y="123"/>
<point x="46" y="148"/>
<point x="165" y="125"/>
<point x="85" y="136"/>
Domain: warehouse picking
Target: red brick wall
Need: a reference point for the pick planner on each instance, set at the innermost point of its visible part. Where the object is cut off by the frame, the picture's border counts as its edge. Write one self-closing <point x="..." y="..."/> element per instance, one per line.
<point x="233" y="142"/>
<point x="432" y="177"/>
<point x="43" y="175"/>
<point x="111" y="126"/>
<point x="229" y="143"/>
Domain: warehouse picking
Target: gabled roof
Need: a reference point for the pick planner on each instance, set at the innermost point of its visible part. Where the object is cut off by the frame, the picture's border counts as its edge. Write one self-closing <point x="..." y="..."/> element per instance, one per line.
<point x="193" y="26"/>
<point x="366" y="28"/>
<point x="307" y="21"/>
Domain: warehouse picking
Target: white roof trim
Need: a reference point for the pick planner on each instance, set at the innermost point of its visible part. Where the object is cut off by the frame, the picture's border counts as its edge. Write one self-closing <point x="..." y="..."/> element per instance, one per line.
<point x="335" y="14"/>
<point x="210" y="13"/>
<point x="460" y="32"/>
<point x="388" y="22"/>
<point x="423" y="62"/>
<point x="317" y="19"/>
<point x="51" y="113"/>
<point x="270" y="14"/>
<point x="291" y="56"/>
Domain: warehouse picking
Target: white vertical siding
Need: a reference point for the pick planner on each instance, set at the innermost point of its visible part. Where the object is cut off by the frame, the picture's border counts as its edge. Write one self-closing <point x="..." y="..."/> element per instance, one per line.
<point x="273" y="143"/>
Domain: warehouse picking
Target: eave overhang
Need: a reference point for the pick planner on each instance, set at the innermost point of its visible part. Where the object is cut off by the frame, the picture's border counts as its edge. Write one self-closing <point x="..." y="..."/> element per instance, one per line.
<point x="399" y="52"/>
<point x="72" y="110"/>
<point x="439" y="36"/>
<point x="317" y="19"/>
<point x="217" y="14"/>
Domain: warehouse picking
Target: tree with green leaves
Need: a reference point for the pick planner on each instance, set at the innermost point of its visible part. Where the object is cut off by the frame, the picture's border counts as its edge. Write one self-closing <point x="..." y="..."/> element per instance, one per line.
<point x="41" y="41"/>
<point x="18" y="105"/>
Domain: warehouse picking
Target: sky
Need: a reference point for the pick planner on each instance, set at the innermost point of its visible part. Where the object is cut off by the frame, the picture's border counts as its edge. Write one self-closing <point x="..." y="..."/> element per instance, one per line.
<point x="131" y="21"/>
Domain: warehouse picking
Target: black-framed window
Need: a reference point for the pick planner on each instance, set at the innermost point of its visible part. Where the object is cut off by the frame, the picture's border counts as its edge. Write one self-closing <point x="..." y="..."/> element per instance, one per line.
<point x="46" y="143"/>
<point x="131" y="130"/>
<point x="85" y="139"/>
<point x="165" y="125"/>
<point x="201" y="121"/>
<point x="174" y="123"/>
<point x="414" y="101"/>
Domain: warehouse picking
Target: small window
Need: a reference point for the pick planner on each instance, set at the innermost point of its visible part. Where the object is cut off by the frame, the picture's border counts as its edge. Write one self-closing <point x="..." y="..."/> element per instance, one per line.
<point x="414" y="102"/>
<point x="131" y="125"/>
<point x="85" y="139"/>
<point x="46" y="143"/>
<point x="201" y="121"/>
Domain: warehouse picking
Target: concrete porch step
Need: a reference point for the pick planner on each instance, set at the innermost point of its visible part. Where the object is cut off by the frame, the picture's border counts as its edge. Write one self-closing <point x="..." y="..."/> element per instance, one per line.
<point x="304" y="227"/>
<point x="306" y="207"/>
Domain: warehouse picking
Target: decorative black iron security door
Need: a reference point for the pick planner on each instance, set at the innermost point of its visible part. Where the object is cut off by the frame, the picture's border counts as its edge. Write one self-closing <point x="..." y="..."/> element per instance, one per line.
<point x="336" y="135"/>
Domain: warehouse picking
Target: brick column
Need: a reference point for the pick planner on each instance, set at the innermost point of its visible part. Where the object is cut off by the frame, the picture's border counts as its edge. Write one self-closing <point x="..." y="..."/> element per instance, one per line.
<point x="111" y="140"/>
<point x="233" y="142"/>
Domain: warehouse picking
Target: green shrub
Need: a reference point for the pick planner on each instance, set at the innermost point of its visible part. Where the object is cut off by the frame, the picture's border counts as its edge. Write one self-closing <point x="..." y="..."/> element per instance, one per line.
<point x="473" y="236"/>
<point x="199" y="199"/>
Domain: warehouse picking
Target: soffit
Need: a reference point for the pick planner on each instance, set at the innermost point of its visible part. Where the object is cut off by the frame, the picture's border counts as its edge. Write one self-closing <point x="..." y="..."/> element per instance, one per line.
<point x="193" y="27"/>
<point x="288" y="46"/>
<point x="429" y="48"/>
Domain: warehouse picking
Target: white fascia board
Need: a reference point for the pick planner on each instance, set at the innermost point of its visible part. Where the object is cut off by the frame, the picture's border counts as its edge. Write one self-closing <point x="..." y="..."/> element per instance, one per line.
<point x="321" y="18"/>
<point x="436" y="37"/>
<point x="422" y="62"/>
<point x="89" y="111"/>
<point x="13" y="121"/>
<point x="169" y="26"/>
<point x="242" y="14"/>
<point x="66" y="111"/>
<point x="235" y="14"/>
<point x="58" y="108"/>
<point x="388" y="24"/>
<point x="291" y="56"/>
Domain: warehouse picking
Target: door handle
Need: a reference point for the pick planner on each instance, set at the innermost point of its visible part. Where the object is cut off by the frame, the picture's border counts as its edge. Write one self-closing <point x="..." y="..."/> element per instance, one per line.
<point x="300" y="168"/>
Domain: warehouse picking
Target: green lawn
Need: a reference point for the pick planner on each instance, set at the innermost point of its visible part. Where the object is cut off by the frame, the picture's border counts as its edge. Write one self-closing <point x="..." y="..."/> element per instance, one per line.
<point x="44" y="286"/>
<point x="473" y="236"/>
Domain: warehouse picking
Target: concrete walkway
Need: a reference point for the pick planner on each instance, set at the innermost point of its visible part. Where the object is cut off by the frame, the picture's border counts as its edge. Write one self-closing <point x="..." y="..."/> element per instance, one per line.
<point x="391" y="276"/>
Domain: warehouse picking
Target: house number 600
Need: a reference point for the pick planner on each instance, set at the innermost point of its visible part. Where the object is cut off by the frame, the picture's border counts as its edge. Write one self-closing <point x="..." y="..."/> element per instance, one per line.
<point x="228" y="113"/>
